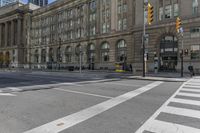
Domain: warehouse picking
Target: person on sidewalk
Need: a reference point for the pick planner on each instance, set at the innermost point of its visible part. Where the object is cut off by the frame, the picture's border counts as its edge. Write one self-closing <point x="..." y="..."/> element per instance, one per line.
<point x="191" y="69"/>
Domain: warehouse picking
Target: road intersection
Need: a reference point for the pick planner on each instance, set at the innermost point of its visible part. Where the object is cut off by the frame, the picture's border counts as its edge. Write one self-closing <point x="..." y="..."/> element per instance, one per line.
<point x="68" y="104"/>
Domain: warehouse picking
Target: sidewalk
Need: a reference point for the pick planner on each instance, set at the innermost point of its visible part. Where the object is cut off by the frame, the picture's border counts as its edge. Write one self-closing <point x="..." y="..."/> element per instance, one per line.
<point x="164" y="76"/>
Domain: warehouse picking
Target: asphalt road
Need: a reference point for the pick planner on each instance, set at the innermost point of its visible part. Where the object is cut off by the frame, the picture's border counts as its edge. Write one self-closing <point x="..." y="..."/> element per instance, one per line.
<point x="51" y="103"/>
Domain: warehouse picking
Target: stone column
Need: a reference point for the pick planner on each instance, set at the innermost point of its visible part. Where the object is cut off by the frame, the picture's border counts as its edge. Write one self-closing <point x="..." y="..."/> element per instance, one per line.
<point x="40" y="55"/>
<point x="6" y="34"/>
<point x="12" y="34"/>
<point x="19" y="24"/>
<point x="47" y="54"/>
<point x="0" y="35"/>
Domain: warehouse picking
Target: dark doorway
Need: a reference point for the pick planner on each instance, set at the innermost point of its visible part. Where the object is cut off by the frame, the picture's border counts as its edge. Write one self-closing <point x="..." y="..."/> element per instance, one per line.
<point x="168" y="53"/>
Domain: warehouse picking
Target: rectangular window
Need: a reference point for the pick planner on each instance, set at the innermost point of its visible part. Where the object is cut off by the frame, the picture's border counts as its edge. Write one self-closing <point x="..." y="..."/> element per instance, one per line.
<point x="195" y="7"/>
<point x="176" y="10"/>
<point x="120" y="24"/>
<point x="195" y="32"/>
<point x="119" y="9"/>
<point x="168" y="11"/>
<point x="125" y="7"/>
<point x="161" y="13"/>
<point x="124" y="24"/>
<point x="195" y="52"/>
<point x="104" y="28"/>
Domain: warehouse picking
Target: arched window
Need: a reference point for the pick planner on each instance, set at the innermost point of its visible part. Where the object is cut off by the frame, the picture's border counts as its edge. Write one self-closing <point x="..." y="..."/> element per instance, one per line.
<point x="78" y="51"/>
<point x="36" y="56"/>
<point x="121" y="53"/>
<point x="91" y="53"/>
<point x="105" y="47"/>
<point x="1" y="59"/>
<point x="59" y="55"/>
<point x="43" y="56"/>
<point x="7" y="58"/>
<point x="51" y="55"/>
<point x="68" y="54"/>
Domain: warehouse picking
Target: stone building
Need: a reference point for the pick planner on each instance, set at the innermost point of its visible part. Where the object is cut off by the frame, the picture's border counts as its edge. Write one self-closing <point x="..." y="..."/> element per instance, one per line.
<point x="103" y="33"/>
<point x="99" y="30"/>
<point x="164" y="42"/>
<point x="13" y="34"/>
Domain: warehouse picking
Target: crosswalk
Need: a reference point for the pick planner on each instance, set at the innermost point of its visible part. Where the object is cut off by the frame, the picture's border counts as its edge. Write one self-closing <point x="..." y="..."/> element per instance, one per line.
<point x="181" y="111"/>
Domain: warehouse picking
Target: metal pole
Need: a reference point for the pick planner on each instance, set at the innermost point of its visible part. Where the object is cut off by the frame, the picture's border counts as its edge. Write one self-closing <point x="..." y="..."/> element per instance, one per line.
<point x="144" y="38"/>
<point x="80" y="67"/>
<point x="182" y="57"/>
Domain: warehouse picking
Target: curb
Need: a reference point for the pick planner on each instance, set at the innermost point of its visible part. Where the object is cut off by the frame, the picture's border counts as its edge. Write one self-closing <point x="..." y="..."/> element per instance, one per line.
<point x="159" y="79"/>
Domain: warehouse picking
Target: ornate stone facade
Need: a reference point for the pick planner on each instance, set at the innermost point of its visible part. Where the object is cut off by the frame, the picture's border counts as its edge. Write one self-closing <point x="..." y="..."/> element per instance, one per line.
<point x="13" y="35"/>
<point x="101" y="29"/>
<point x="106" y="32"/>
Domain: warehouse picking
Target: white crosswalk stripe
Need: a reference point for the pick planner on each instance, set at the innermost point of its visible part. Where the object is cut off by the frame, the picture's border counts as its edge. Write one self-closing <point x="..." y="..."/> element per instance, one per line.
<point x="189" y="90"/>
<point x="184" y="101"/>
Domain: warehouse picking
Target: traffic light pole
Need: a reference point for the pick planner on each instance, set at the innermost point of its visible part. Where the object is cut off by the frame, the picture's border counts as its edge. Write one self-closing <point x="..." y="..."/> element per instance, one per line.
<point x="182" y="56"/>
<point x="143" y="39"/>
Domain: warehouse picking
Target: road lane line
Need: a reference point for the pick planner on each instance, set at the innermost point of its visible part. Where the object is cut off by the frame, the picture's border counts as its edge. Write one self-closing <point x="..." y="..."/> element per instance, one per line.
<point x="6" y="94"/>
<point x="192" y="86"/>
<point x="14" y="89"/>
<point x="188" y="94"/>
<point x="128" y="85"/>
<point x="197" y="84"/>
<point x="182" y="112"/>
<point x="157" y="126"/>
<point x="190" y="90"/>
<point x="88" y="113"/>
<point x="83" y="93"/>
<point x="184" y="101"/>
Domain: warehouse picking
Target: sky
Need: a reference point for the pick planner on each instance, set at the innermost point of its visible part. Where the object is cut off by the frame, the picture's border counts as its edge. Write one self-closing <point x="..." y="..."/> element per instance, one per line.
<point x="49" y="1"/>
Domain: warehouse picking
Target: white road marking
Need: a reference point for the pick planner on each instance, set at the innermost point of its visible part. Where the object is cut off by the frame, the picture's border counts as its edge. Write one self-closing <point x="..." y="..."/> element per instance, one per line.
<point x="190" y="90"/>
<point x="157" y="126"/>
<point x="97" y="81"/>
<point x="181" y="111"/>
<point x="88" y="113"/>
<point x="6" y="94"/>
<point x="197" y="84"/>
<point x="71" y="84"/>
<point x="188" y="94"/>
<point x="184" y="101"/>
<point x="83" y="93"/>
<point x="14" y="89"/>
<point x="121" y="84"/>
<point x="192" y="86"/>
<point x="161" y="127"/>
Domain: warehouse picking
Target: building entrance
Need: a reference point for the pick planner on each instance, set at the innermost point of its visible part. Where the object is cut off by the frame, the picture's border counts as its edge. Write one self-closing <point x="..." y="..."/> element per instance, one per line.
<point x="168" y="53"/>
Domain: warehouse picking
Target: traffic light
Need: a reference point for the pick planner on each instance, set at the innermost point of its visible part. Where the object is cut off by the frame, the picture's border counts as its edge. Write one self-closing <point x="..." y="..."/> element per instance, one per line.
<point x="178" y="24"/>
<point x="150" y="14"/>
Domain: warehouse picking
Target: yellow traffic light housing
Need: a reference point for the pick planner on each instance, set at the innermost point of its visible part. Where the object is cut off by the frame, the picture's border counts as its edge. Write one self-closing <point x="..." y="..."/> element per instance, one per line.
<point x="150" y="14"/>
<point x="178" y="24"/>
